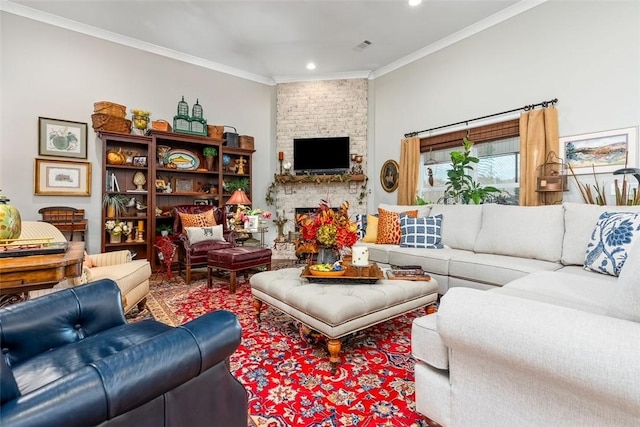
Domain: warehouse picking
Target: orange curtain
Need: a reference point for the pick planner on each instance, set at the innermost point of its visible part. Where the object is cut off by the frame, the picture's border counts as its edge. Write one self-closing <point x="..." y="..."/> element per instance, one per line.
<point x="409" y="171"/>
<point x="538" y="136"/>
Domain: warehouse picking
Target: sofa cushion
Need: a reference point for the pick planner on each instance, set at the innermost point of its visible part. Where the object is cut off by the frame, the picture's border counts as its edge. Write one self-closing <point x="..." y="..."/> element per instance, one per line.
<point x="361" y="224"/>
<point x="611" y="239"/>
<point x="201" y="234"/>
<point x="389" y="232"/>
<point x="579" y="221"/>
<point x="496" y="270"/>
<point x="204" y="219"/>
<point x="423" y="210"/>
<point x="127" y="275"/>
<point x="422" y="232"/>
<point x="8" y="386"/>
<point x="460" y="224"/>
<point x="579" y="292"/>
<point x="371" y="235"/>
<point x="626" y="299"/>
<point x="426" y="344"/>
<point x="522" y="231"/>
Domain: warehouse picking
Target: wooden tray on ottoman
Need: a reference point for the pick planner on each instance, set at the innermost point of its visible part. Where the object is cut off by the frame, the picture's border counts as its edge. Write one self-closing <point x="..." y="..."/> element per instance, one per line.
<point x="354" y="275"/>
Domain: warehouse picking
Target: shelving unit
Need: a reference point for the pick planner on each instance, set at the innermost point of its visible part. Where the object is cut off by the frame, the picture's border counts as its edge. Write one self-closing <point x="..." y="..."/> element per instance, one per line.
<point x="190" y="183"/>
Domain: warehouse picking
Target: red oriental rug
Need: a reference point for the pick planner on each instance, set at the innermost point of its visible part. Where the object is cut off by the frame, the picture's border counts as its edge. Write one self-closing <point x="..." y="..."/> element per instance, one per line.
<point x="288" y="376"/>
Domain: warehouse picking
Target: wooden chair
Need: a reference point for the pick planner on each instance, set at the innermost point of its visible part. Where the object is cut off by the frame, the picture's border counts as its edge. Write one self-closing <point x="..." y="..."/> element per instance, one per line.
<point x="66" y="219"/>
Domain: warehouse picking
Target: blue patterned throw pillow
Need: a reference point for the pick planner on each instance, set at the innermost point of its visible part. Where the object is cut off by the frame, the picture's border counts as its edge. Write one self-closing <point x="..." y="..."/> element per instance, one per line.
<point x="611" y="240"/>
<point x="423" y="232"/>
<point x="361" y="223"/>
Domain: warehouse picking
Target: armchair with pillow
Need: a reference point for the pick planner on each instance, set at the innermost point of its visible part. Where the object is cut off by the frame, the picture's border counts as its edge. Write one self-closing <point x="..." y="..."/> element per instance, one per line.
<point x="197" y="230"/>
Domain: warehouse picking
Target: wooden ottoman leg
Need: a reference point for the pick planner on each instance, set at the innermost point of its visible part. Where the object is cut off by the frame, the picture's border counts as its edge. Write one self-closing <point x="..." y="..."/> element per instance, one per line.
<point x="257" y="305"/>
<point x="334" y="345"/>
<point x="232" y="282"/>
<point x="209" y="281"/>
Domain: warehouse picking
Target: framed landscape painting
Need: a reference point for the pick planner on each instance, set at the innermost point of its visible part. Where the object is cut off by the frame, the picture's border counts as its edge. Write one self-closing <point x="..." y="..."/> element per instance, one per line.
<point x="62" y="138"/>
<point x="602" y="152"/>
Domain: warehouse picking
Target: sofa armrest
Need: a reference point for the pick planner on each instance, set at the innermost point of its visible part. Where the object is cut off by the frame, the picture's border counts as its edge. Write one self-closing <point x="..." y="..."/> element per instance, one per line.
<point x="110" y="258"/>
<point x="132" y="377"/>
<point x="592" y="354"/>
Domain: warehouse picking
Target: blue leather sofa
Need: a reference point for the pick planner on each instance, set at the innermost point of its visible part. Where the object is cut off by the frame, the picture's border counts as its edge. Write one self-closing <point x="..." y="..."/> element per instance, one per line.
<point x="71" y="359"/>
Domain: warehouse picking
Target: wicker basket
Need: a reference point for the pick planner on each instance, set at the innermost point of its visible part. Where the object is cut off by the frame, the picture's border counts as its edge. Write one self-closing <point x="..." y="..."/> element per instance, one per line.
<point x="110" y="108"/>
<point x="107" y="123"/>
<point x="215" y="131"/>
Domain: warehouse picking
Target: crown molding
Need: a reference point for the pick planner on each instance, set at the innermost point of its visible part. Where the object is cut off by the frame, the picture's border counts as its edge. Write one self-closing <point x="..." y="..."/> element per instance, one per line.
<point x="89" y="30"/>
<point x="469" y="31"/>
<point x="334" y="76"/>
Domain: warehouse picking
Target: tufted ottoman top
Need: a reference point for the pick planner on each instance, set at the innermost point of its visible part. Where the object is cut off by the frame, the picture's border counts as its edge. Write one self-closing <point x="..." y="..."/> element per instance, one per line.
<point x="341" y="308"/>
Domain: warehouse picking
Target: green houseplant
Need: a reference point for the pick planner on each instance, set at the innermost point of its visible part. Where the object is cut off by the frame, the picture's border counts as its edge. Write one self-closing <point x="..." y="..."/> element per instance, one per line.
<point x="461" y="187"/>
<point x="115" y="204"/>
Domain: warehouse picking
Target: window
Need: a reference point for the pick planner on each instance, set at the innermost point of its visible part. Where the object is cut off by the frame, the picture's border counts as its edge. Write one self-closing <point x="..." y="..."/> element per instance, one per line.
<point x="499" y="164"/>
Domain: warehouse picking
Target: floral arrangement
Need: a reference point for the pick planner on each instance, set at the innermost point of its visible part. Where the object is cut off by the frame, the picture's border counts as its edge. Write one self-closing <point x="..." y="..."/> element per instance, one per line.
<point x="328" y="227"/>
<point x="117" y="228"/>
<point x="244" y="212"/>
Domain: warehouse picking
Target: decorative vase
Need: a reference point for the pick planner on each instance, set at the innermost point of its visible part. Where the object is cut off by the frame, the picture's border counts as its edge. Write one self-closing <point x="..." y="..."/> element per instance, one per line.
<point x="209" y="161"/>
<point x="327" y="255"/>
<point x="10" y="222"/>
<point x="115" y="238"/>
<point x="111" y="211"/>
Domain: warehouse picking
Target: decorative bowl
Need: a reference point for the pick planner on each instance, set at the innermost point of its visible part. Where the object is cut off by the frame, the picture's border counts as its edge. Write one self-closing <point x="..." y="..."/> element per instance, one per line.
<point x="313" y="269"/>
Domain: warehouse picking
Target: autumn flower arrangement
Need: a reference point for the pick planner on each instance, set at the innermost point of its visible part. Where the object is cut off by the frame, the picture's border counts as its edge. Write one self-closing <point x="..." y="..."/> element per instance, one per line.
<point x="328" y="227"/>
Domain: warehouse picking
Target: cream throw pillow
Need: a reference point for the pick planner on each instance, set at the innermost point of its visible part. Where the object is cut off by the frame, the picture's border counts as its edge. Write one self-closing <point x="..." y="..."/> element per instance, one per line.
<point x="201" y="234"/>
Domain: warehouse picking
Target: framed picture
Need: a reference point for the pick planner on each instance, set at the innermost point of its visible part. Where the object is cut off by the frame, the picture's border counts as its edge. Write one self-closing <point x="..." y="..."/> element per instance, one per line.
<point x="603" y="152"/>
<point x="183" y="186"/>
<point x="140" y="161"/>
<point x="201" y="202"/>
<point x="62" y="138"/>
<point x="62" y="178"/>
<point x="389" y="176"/>
<point x="252" y="224"/>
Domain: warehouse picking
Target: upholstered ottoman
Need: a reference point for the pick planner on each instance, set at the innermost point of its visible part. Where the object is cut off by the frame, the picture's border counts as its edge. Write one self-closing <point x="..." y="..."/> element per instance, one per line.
<point x="340" y="309"/>
<point x="236" y="259"/>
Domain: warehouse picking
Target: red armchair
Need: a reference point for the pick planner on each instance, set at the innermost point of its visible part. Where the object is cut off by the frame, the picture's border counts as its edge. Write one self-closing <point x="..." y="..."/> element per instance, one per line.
<point x="195" y="255"/>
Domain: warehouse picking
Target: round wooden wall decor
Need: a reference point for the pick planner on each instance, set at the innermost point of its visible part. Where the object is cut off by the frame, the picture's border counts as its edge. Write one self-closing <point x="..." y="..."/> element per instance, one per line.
<point x="389" y="176"/>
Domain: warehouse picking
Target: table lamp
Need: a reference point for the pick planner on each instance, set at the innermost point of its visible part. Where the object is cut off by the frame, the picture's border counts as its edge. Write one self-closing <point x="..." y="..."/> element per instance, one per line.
<point x="633" y="171"/>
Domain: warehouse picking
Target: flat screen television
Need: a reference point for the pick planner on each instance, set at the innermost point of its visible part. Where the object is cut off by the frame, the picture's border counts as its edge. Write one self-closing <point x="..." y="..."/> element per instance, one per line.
<point x="329" y="155"/>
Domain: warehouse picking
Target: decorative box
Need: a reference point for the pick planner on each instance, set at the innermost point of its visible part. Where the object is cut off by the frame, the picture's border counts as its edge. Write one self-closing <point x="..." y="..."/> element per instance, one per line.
<point x="162" y="125"/>
<point x="246" y="142"/>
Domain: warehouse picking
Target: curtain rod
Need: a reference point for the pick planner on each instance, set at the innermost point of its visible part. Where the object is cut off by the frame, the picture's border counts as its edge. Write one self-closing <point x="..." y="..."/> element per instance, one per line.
<point x="525" y="108"/>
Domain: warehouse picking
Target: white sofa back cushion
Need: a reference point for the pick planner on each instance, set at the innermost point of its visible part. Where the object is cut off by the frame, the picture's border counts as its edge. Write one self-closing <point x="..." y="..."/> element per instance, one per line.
<point x="579" y="221"/>
<point x="460" y="224"/>
<point x="423" y="210"/>
<point x="626" y="300"/>
<point x="524" y="231"/>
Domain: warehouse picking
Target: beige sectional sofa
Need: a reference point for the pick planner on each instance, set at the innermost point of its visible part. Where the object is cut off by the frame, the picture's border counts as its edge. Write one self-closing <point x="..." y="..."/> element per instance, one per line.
<point x="540" y="340"/>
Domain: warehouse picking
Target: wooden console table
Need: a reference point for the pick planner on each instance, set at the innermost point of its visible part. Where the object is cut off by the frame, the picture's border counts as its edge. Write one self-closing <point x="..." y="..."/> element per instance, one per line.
<point x="20" y="275"/>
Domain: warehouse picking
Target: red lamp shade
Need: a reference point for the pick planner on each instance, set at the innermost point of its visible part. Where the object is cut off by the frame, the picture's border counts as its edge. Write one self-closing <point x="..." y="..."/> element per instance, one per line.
<point x="239" y="197"/>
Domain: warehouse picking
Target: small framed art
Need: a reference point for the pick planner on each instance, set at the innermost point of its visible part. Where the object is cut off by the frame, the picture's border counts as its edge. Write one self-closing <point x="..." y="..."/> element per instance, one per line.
<point x="389" y="176"/>
<point x="62" y="138"/>
<point x="183" y="185"/>
<point x="62" y="178"/>
<point x="140" y="161"/>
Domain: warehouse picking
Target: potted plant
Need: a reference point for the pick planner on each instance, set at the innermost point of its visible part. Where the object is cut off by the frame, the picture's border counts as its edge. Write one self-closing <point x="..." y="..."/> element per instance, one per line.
<point x="236" y="184"/>
<point x="164" y="229"/>
<point x="209" y="153"/>
<point x="115" y="204"/>
<point x="461" y="187"/>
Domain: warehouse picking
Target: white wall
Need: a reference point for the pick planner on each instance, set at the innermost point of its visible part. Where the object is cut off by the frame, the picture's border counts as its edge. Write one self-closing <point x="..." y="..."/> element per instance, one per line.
<point x="53" y="72"/>
<point x="586" y="54"/>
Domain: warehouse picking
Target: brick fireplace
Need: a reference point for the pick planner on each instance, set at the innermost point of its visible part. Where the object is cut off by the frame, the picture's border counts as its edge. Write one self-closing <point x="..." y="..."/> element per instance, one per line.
<point x="319" y="109"/>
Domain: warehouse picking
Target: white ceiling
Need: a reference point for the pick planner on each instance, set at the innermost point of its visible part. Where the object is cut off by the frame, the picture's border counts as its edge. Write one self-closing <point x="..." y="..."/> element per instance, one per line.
<point x="272" y="40"/>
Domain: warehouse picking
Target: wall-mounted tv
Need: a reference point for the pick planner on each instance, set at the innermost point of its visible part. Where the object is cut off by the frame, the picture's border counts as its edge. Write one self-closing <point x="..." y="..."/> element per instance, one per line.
<point x="329" y="155"/>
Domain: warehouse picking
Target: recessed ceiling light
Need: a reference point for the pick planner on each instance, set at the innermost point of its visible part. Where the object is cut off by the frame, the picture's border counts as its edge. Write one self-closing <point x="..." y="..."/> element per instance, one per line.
<point x="311" y="66"/>
<point x="414" y="2"/>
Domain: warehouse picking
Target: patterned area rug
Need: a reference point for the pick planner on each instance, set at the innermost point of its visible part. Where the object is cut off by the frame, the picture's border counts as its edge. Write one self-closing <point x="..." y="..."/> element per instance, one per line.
<point x="288" y="375"/>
